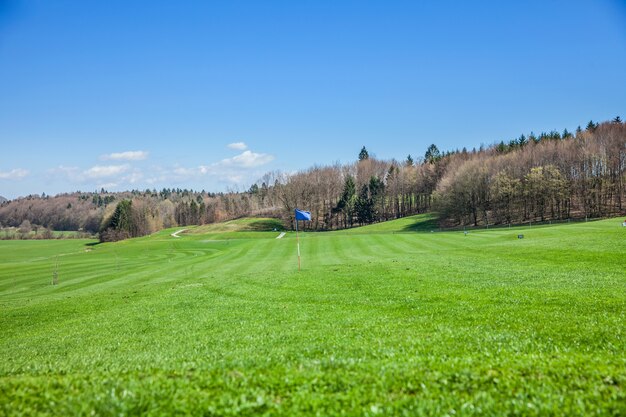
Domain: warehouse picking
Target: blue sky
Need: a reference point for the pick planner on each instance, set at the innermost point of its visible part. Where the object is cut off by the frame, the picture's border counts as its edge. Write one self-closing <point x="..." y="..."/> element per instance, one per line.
<point x="210" y="95"/>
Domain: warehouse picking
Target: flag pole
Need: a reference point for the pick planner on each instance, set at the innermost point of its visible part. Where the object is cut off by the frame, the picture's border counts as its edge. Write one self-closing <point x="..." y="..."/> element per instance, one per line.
<point x="305" y="216"/>
<point x="298" y="240"/>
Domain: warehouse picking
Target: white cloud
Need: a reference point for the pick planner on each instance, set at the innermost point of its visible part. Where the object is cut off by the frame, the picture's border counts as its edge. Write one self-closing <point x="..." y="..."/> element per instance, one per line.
<point x="247" y="159"/>
<point x="100" y="176"/>
<point x="105" y="171"/>
<point x="182" y="173"/>
<point x="108" y="185"/>
<point x="237" y="169"/>
<point x="62" y="169"/>
<point x="126" y="156"/>
<point x="14" y="174"/>
<point x="235" y="179"/>
<point x="240" y="170"/>
<point x="238" y="146"/>
<point x="62" y="172"/>
<point x="134" y="177"/>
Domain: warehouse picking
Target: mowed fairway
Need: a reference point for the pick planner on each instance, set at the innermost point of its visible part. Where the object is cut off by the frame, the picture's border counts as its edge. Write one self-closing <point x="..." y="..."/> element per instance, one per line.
<point x="385" y="319"/>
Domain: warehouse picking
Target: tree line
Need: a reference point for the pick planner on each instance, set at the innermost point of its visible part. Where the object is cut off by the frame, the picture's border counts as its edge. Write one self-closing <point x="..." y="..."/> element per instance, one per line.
<point x="531" y="178"/>
<point x="553" y="178"/>
<point x="550" y="176"/>
<point x="148" y="211"/>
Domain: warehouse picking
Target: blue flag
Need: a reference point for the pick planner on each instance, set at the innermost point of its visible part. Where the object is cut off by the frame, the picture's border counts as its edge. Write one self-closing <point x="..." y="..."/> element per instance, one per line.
<point x="303" y="215"/>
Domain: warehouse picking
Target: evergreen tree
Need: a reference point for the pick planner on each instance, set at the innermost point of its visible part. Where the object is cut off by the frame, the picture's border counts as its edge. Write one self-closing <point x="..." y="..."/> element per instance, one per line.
<point x="377" y="195"/>
<point x="554" y="135"/>
<point x="617" y="120"/>
<point x="432" y="154"/>
<point x="369" y="197"/>
<point x="120" y="225"/>
<point x="122" y="216"/>
<point x="363" y="206"/>
<point x="409" y="161"/>
<point x="193" y="212"/>
<point x="201" y="213"/>
<point x="363" y="155"/>
<point x="591" y="126"/>
<point x="347" y="201"/>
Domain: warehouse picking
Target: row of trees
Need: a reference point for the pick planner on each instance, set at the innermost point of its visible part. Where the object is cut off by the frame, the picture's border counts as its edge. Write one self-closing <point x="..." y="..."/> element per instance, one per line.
<point x="575" y="176"/>
<point x="63" y="212"/>
<point x="542" y="177"/>
<point x="366" y="191"/>
<point x="154" y="210"/>
<point x="534" y="178"/>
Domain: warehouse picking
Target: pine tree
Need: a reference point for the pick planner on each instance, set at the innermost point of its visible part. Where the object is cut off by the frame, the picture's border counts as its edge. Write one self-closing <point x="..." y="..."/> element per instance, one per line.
<point x="363" y="155"/>
<point x="347" y="201"/>
<point x="432" y="154"/>
<point x="193" y="212"/>
<point x="122" y="218"/>
<point x="363" y="206"/>
<point x="409" y="161"/>
<point x="120" y="225"/>
<point x="591" y="126"/>
<point x="566" y="134"/>
<point x="617" y="120"/>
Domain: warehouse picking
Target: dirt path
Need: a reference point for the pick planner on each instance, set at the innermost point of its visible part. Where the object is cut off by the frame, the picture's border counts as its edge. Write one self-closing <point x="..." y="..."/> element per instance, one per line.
<point x="175" y="234"/>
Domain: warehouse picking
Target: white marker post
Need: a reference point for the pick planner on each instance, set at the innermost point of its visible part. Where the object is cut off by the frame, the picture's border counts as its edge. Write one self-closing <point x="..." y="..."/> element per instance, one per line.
<point x="300" y="215"/>
<point x="298" y="240"/>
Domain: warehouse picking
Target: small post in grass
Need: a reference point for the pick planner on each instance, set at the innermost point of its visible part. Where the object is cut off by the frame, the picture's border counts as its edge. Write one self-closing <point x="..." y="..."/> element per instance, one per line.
<point x="55" y="272"/>
<point x="305" y="216"/>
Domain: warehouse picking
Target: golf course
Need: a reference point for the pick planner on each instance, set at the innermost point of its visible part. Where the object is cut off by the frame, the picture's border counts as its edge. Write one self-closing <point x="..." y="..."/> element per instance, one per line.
<point x="395" y="318"/>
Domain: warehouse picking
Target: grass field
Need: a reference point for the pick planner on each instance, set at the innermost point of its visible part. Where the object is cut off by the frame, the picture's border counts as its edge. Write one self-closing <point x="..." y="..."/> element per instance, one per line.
<point x="387" y="319"/>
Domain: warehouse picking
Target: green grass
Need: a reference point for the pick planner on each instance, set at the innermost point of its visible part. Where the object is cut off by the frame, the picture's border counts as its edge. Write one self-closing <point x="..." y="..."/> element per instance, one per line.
<point x="420" y="223"/>
<point x="220" y="322"/>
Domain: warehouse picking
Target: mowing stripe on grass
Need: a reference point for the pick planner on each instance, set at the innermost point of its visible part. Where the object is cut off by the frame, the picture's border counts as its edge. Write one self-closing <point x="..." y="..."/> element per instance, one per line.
<point x="221" y="322"/>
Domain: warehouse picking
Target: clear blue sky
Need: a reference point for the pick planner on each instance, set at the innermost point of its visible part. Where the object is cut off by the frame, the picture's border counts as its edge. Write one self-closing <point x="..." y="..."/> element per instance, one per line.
<point x="287" y="84"/>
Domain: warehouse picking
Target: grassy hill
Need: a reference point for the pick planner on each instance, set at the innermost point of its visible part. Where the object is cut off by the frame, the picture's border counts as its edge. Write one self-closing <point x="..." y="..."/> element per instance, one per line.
<point x="220" y="322"/>
<point x="418" y="223"/>
<point x="249" y="224"/>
